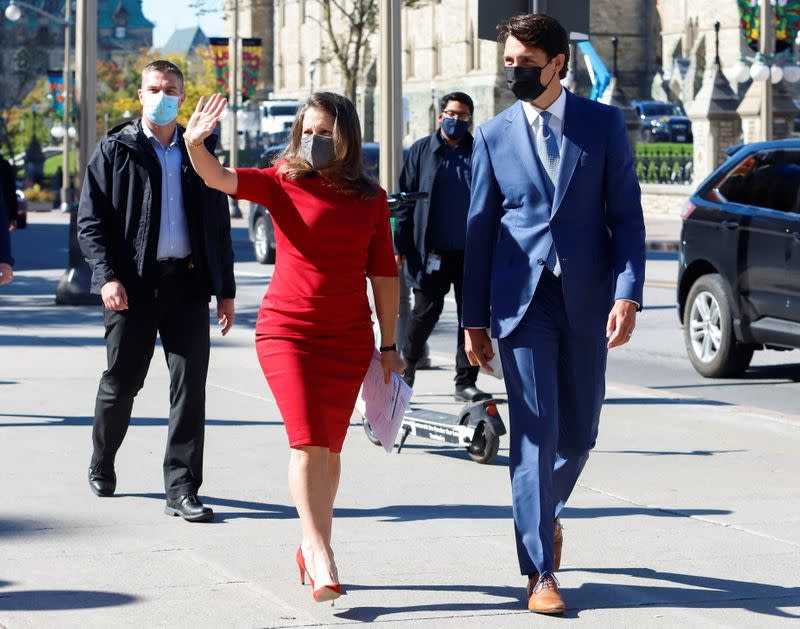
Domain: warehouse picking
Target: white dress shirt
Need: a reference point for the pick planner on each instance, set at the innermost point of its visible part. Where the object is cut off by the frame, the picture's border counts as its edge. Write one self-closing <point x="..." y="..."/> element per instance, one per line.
<point x="557" y="110"/>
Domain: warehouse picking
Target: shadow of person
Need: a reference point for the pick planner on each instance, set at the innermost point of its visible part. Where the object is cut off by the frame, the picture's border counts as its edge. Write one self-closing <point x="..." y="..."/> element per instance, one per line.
<point x="695" y="591"/>
<point x="59" y="600"/>
<point x="510" y="599"/>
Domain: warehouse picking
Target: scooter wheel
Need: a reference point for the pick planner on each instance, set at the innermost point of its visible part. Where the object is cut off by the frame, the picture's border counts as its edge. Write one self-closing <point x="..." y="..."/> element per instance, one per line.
<point x="370" y="435"/>
<point x="485" y="444"/>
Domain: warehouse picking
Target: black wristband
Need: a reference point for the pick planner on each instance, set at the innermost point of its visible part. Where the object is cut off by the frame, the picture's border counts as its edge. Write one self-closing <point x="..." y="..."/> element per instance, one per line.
<point x="388" y="348"/>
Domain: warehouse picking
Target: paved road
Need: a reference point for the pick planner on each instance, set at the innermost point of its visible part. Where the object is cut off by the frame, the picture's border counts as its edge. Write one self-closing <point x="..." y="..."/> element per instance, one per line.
<point x="681" y="519"/>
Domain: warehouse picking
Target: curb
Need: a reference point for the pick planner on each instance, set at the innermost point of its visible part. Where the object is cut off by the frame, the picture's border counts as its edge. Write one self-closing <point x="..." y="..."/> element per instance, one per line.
<point x="662" y="245"/>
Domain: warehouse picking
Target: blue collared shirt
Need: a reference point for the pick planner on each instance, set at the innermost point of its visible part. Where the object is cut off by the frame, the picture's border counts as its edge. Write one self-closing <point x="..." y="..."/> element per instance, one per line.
<point x="173" y="235"/>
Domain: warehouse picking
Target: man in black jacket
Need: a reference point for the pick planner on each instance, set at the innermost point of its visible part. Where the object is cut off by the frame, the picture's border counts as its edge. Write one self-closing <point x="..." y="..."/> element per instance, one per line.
<point x="6" y="261"/>
<point x="430" y="237"/>
<point x="159" y="244"/>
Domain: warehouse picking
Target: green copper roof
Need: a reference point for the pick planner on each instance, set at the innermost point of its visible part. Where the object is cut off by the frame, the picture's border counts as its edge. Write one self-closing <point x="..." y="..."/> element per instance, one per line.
<point x="136" y="19"/>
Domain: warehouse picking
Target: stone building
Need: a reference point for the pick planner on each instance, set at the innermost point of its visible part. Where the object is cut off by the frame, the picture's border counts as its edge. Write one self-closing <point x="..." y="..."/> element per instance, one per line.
<point x="666" y="52"/>
<point x="34" y="44"/>
<point x="441" y="53"/>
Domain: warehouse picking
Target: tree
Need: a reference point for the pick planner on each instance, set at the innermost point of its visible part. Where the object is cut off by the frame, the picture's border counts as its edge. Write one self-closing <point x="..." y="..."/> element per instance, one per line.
<point x="117" y="85"/>
<point x="347" y="26"/>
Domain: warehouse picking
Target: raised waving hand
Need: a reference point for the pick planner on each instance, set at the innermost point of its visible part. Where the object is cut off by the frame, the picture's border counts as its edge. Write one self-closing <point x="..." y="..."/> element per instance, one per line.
<point x="205" y="118"/>
<point x="200" y="126"/>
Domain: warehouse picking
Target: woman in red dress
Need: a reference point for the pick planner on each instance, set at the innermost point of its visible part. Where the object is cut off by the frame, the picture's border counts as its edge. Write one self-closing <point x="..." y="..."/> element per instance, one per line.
<point x="314" y="332"/>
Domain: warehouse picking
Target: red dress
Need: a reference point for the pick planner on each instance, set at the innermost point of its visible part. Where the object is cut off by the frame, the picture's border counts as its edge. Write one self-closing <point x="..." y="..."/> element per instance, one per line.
<point x="314" y="331"/>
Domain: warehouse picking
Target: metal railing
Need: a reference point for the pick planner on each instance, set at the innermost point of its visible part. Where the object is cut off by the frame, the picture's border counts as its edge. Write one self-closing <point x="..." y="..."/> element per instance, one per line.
<point x="664" y="163"/>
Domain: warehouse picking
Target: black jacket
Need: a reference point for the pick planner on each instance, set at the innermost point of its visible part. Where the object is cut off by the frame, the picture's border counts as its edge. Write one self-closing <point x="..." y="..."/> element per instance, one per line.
<point x="411" y="224"/>
<point x="120" y="214"/>
<point x="5" y="239"/>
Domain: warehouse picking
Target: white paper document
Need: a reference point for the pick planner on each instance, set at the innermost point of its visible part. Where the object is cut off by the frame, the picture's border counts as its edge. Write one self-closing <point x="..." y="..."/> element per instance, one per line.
<point x="383" y="405"/>
<point x="495" y="364"/>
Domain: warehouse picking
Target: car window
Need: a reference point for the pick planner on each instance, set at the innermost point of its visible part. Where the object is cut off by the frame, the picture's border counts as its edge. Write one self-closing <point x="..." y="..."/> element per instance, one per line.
<point x="280" y="110"/>
<point x="769" y="179"/>
<point x="662" y="110"/>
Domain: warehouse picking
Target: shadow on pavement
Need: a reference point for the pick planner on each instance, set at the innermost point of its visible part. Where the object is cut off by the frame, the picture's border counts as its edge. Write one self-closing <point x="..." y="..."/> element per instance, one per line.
<point x="710" y="592"/>
<point x="12" y="527"/>
<point x="660" y="400"/>
<point x="654" y="254"/>
<point x="588" y="513"/>
<point x="515" y="602"/>
<point x="668" y="452"/>
<point x="415" y="513"/>
<point x="779" y="374"/>
<point x="50" y="420"/>
<point x="56" y="600"/>
<point x="694" y="592"/>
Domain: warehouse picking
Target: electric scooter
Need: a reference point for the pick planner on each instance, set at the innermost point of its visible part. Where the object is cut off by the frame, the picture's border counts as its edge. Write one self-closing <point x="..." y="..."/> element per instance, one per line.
<point x="478" y="425"/>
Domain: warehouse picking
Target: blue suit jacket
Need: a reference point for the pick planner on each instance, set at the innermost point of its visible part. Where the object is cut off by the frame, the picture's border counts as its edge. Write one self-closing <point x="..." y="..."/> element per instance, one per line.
<point x="595" y="220"/>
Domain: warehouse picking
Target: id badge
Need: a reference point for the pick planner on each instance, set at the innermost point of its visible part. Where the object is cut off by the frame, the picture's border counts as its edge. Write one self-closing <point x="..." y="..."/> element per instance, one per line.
<point x="433" y="263"/>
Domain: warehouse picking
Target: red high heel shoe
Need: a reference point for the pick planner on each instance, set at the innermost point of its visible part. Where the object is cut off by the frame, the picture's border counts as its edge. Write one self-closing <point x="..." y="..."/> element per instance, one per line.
<point x="301" y="564"/>
<point x="327" y="593"/>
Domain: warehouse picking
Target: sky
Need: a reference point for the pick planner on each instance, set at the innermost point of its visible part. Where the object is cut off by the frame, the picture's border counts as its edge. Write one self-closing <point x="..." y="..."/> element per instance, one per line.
<point x="169" y="15"/>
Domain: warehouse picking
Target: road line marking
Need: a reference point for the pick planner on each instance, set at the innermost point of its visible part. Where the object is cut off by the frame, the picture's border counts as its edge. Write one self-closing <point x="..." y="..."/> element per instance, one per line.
<point x="707" y="520"/>
<point x="660" y="284"/>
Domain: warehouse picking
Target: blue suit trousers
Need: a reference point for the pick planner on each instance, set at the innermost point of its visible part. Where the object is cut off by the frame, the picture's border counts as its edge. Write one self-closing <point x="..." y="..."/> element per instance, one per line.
<point x="555" y="378"/>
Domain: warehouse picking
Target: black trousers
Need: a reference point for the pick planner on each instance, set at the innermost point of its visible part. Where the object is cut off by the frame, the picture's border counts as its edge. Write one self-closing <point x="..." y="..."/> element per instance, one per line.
<point x="179" y="315"/>
<point x="428" y="305"/>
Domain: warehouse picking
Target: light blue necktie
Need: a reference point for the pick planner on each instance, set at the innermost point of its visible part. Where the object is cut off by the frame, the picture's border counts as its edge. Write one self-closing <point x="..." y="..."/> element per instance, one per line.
<point x="550" y="158"/>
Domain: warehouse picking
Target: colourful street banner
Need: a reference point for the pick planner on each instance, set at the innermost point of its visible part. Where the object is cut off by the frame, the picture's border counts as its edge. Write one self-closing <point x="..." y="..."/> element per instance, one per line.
<point x="251" y="62"/>
<point x="219" y="49"/>
<point x="787" y="22"/>
<point x="56" y="80"/>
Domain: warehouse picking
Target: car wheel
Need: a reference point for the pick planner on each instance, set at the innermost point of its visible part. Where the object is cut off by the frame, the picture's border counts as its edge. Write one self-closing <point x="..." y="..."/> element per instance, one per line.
<point x="708" y="330"/>
<point x="263" y="240"/>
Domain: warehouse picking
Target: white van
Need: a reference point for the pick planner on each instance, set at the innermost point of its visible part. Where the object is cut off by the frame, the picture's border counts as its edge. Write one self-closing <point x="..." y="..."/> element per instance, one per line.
<point x="277" y="115"/>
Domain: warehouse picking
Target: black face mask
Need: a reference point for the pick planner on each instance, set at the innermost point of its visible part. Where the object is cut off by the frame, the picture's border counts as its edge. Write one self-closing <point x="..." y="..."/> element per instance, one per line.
<point x="526" y="82"/>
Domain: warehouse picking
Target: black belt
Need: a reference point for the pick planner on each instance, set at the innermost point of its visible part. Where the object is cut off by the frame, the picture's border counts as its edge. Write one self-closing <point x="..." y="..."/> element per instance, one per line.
<point x="169" y="265"/>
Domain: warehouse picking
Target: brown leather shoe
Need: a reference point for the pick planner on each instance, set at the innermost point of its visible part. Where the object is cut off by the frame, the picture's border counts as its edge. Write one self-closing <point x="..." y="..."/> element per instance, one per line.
<point x="543" y="595"/>
<point x="558" y="542"/>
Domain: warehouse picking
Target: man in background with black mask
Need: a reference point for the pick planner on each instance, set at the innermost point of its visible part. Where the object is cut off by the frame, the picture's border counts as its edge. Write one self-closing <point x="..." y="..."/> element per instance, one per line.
<point x="429" y="238"/>
<point x="555" y="258"/>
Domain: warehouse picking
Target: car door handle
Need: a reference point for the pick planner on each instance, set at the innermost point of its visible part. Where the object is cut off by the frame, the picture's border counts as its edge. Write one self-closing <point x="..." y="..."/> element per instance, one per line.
<point x="730" y="224"/>
<point x="796" y="235"/>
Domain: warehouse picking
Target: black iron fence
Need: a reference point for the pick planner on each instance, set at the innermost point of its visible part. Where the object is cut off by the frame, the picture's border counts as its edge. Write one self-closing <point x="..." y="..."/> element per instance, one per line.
<point x="664" y="163"/>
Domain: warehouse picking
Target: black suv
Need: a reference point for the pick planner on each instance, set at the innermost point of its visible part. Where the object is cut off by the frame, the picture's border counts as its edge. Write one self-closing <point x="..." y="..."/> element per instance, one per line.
<point x="662" y="122"/>
<point x="739" y="275"/>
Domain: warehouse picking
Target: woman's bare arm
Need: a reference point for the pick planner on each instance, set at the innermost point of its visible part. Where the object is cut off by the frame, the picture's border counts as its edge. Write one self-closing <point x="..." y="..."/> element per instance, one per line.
<point x="200" y="126"/>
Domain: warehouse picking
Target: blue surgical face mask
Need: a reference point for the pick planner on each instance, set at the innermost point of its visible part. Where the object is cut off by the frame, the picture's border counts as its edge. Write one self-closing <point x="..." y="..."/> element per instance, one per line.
<point x="160" y="108"/>
<point x="455" y="128"/>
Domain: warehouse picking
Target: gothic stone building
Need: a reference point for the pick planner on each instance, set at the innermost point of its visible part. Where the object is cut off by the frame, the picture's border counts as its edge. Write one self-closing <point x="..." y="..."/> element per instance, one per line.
<point x="666" y="48"/>
<point x="34" y="44"/>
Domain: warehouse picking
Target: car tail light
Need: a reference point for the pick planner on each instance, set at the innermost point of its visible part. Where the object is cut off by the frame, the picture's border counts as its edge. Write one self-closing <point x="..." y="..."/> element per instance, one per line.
<point x="687" y="212"/>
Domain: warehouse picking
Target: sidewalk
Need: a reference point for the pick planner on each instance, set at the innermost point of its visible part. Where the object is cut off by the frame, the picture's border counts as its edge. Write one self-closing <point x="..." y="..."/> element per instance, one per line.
<point x="663" y="232"/>
<point x="687" y="514"/>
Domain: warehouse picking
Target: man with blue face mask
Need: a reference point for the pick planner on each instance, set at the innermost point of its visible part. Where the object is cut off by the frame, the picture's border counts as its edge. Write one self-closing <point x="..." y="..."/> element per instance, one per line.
<point x="429" y="238"/>
<point x="159" y="244"/>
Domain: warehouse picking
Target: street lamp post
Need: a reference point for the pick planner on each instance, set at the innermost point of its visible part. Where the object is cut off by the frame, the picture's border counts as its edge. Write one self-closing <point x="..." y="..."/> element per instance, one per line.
<point x="233" y="48"/>
<point x="766" y="44"/>
<point x="13" y="13"/>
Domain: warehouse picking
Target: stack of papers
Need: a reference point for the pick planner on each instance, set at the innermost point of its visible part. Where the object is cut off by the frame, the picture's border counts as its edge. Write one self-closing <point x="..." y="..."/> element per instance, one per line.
<point x="383" y="405"/>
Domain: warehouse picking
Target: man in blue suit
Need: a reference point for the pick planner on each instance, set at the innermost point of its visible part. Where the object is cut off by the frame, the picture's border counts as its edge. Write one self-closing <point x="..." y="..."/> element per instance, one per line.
<point x="554" y="265"/>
